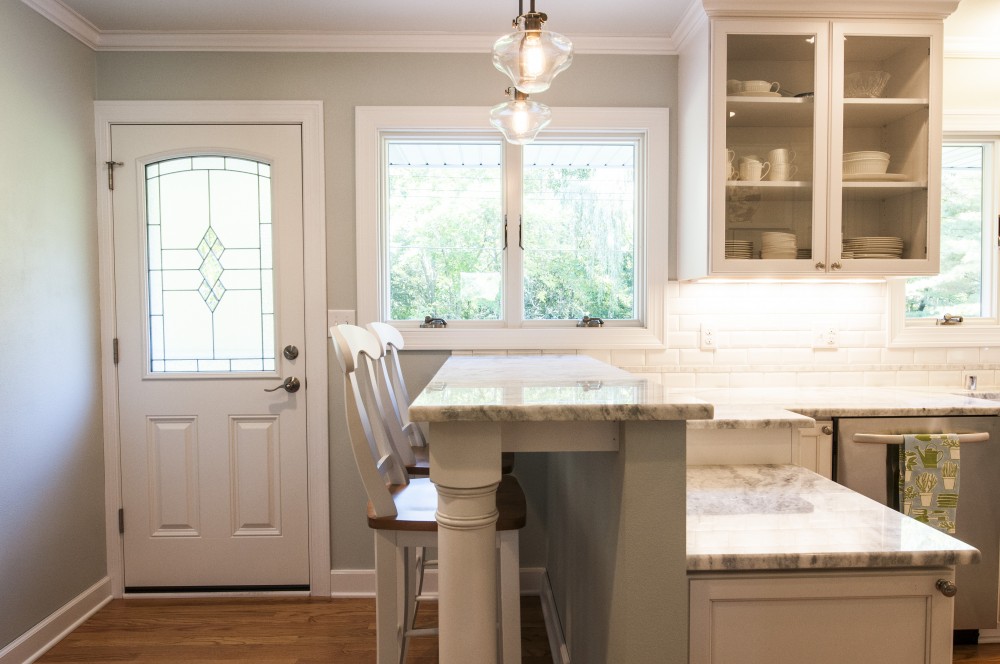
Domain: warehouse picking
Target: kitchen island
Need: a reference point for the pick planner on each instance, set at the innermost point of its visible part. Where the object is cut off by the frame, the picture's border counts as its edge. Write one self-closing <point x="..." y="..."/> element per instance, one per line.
<point x="616" y="553"/>
<point x="787" y="566"/>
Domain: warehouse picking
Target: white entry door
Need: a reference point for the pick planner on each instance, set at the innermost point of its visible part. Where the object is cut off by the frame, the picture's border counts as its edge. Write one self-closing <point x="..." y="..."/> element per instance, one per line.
<point x="209" y="321"/>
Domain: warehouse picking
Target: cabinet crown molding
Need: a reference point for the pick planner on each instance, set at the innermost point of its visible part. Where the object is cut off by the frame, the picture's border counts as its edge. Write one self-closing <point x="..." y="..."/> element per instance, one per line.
<point x="911" y="9"/>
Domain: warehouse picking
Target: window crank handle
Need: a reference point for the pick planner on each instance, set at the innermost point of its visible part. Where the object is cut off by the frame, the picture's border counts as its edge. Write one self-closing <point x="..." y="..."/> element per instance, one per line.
<point x="291" y="384"/>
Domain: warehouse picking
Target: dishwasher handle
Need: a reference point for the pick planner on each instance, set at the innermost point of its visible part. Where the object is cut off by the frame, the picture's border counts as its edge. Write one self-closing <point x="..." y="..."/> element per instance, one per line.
<point x="897" y="439"/>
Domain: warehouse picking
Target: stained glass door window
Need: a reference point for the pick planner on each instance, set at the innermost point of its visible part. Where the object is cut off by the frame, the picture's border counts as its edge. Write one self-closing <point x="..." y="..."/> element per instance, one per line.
<point x="209" y="265"/>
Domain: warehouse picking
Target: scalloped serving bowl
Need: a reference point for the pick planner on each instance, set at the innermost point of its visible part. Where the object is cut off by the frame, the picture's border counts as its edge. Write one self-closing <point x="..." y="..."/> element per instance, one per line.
<point x="866" y="162"/>
<point x="865" y="83"/>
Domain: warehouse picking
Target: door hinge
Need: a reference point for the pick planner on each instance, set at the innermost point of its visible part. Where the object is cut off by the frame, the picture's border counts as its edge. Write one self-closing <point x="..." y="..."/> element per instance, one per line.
<point x="121" y="520"/>
<point x="111" y="172"/>
<point x="114" y="350"/>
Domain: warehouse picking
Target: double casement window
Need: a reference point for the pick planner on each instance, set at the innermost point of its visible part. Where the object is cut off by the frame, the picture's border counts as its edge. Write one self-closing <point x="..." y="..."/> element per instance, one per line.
<point x="959" y="306"/>
<point x="513" y="246"/>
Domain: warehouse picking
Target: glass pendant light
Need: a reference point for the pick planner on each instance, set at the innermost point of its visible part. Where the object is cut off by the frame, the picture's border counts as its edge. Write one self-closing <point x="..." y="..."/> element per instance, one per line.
<point x="520" y="120"/>
<point x="530" y="56"/>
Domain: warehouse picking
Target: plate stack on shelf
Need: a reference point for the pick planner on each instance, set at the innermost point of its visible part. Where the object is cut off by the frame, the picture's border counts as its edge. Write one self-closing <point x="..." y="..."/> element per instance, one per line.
<point x="740" y="249"/>
<point x="872" y="247"/>
<point x="804" y="253"/>
<point x="778" y="245"/>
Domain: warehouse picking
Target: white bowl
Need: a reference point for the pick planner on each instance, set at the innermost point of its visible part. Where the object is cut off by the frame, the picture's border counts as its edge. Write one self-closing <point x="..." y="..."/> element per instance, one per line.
<point x="866" y="154"/>
<point x="866" y="166"/>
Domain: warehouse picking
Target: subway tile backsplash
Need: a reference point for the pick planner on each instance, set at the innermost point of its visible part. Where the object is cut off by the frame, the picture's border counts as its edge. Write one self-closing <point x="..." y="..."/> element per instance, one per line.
<point x="765" y="337"/>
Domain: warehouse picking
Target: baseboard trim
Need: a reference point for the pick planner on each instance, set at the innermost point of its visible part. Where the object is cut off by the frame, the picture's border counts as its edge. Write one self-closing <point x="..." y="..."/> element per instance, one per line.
<point x="39" y="639"/>
<point x="989" y="636"/>
<point x="534" y="581"/>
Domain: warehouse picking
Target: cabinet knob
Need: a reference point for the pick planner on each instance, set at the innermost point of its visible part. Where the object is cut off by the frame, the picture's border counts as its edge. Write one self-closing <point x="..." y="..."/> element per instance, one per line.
<point x="827" y="430"/>
<point x="835" y="265"/>
<point x="947" y="588"/>
<point x="820" y="265"/>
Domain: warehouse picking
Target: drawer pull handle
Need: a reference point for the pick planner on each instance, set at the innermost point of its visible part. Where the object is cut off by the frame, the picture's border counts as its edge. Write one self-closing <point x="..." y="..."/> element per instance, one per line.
<point x="897" y="439"/>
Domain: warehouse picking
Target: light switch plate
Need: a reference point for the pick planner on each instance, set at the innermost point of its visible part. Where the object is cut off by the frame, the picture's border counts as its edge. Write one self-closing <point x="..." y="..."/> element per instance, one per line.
<point x="340" y="317"/>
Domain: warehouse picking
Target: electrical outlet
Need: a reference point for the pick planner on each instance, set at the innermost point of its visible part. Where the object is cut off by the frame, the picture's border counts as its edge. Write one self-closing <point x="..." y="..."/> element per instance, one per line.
<point x="340" y="317"/>
<point x="709" y="339"/>
<point x="825" y="337"/>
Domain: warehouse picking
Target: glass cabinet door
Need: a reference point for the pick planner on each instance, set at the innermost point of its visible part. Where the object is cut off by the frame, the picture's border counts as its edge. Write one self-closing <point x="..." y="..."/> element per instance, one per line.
<point x="886" y="114"/>
<point x="769" y="158"/>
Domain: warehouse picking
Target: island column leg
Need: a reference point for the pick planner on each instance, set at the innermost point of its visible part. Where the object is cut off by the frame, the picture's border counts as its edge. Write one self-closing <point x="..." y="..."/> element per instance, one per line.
<point x="465" y="467"/>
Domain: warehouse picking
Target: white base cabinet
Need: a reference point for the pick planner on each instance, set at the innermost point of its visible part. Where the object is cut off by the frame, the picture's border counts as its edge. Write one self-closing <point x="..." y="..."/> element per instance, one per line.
<point x="887" y="616"/>
<point x="808" y="447"/>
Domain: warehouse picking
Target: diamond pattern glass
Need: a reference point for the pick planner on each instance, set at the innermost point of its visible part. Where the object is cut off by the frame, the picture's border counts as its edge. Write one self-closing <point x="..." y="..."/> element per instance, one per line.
<point x="209" y="265"/>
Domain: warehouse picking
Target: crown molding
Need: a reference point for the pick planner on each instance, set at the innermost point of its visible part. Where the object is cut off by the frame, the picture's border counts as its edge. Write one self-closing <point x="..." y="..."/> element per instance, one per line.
<point x="911" y="9"/>
<point x="385" y="42"/>
<point x="329" y="42"/>
<point x="68" y="20"/>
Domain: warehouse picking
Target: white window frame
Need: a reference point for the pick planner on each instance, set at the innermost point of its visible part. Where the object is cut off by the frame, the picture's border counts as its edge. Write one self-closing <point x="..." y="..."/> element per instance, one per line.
<point x="371" y="122"/>
<point x="904" y="333"/>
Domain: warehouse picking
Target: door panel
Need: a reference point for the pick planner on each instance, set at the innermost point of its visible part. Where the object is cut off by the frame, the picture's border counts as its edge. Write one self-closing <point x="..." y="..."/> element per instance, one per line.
<point x="209" y="284"/>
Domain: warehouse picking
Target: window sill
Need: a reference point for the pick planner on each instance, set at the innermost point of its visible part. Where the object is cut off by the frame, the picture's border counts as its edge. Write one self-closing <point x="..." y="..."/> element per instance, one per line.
<point x="978" y="333"/>
<point x="566" y="339"/>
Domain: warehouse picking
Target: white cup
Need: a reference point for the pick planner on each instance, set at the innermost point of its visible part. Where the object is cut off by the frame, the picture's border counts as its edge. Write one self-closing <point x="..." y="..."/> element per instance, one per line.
<point x="730" y="171"/>
<point x="782" y="172"/>
<point x="749" y="157"/>
<point x="730" y="155"/>
<point x="781" y="156"/>
<point x="753" y="171"/>
<point x="761" y="86"/>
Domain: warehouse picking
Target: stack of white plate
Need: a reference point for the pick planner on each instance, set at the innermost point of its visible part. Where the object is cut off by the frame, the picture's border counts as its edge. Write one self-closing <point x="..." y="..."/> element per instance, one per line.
<point x="804" y="253"/>
<point x="778" y="245"/>
<point x="741" y="249"/>
<point x="873" y="247"/>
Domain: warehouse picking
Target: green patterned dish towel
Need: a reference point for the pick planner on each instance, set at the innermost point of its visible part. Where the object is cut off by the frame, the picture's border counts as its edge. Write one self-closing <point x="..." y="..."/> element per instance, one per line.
<point x="928" y="478"/>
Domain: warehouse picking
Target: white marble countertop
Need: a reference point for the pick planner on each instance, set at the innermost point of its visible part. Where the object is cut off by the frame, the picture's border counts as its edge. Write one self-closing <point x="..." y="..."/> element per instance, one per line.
<point x="787" y="517"/>
<point x="547" y="387"/>
<point x="761" y="407"/>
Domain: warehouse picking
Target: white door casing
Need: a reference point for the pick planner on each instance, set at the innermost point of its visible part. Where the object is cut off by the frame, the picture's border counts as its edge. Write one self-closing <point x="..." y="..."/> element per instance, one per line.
<point x="242" y="456"/>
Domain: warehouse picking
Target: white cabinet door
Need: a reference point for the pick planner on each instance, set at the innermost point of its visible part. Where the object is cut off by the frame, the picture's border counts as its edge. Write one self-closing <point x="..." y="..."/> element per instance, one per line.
<point x="876" y="617"/>
<point x="790" y="190"/>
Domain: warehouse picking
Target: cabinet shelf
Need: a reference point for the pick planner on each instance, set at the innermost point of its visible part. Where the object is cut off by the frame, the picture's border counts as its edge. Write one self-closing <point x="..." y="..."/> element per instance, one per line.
<point x="770" y="111"/>
<point x="881" y="190"/>
<point x="880" y="112"/>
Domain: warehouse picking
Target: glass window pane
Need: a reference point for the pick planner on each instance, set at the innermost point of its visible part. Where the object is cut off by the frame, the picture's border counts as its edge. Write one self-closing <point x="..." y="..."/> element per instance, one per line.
<point x="444" y="203"/>
<point x="580" y="212"/>
<point x="958" y="288"/>
<point x="209" y="266"/>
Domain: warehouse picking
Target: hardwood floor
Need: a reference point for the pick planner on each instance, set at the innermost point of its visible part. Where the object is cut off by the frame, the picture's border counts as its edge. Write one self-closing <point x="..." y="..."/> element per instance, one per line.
<point x="981" y="654"/>
<point x="282" y="631"/>
<point x="258" y="630"/>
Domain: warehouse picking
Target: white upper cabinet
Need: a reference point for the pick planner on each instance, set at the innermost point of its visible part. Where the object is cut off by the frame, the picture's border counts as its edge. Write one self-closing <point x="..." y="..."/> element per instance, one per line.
<point x="821" y="148"/>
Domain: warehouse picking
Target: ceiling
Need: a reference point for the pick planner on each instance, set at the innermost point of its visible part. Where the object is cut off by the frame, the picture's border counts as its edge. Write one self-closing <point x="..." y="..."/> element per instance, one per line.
<point x="596" y="26"/>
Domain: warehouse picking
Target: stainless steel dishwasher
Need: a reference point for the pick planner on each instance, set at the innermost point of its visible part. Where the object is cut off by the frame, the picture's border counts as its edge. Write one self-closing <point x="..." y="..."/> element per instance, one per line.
<point x="869" y="468"/>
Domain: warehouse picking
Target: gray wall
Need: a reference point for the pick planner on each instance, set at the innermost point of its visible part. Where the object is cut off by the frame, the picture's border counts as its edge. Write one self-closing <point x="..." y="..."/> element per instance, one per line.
<point x="343" y="81"/>
<point x="51" y="463"/>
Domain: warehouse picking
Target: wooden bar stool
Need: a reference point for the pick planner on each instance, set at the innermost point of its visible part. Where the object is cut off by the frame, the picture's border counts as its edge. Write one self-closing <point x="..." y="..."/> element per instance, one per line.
<point x="406" y="435"/>
<point x="401" y="511"/>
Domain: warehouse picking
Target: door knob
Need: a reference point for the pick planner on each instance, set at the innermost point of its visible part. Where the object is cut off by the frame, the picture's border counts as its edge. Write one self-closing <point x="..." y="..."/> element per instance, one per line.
<point x="290" y="384"/>
<point x="290" y="352"/>
<point x="947" y="588"/>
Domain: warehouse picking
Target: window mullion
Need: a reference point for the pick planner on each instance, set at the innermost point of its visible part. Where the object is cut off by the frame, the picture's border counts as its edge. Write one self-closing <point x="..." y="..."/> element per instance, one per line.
<point x="513" y="282"/>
